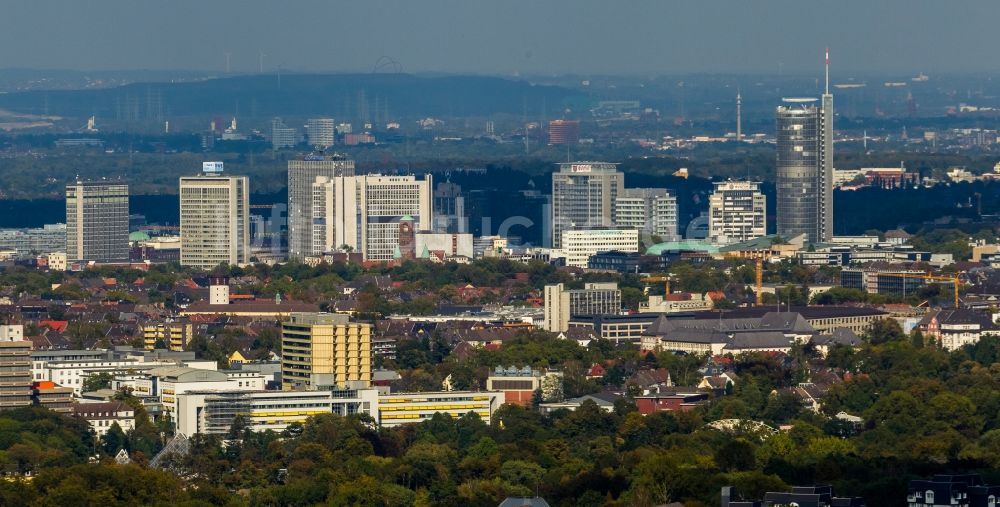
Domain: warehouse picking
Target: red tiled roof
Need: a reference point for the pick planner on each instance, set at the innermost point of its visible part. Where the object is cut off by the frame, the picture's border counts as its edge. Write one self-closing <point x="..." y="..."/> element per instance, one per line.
<point x="55" y="325"/>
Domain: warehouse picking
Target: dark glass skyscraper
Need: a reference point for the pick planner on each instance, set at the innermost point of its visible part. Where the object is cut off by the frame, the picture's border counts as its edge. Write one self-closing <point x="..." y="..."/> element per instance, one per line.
<point x="804" y="159"/>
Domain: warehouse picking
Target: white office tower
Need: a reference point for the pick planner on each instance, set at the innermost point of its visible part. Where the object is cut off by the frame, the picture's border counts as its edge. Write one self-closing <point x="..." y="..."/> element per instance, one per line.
<point x="362" y="213"/>
<point x="97" y="221"/>
<point x="652" y="211"/>
<point x="320" y="132"/>
<point x="737" y="211"/>
<point x="214" y="220"/>
<point x="302" y="174"/>
<point x="583" y="197"/>
<point x="283" y="136"/>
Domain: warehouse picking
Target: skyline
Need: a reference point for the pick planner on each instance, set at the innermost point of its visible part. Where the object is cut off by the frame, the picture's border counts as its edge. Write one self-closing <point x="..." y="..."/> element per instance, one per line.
<point x="586" y="37"/>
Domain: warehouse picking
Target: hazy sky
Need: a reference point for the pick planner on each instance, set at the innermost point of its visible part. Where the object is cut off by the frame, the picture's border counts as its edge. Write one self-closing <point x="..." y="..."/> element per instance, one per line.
<point x="504" y="36"/>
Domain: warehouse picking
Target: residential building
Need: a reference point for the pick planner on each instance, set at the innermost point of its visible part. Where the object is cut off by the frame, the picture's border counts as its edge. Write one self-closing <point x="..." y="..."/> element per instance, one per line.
<point x="737" y="211"/>
<point x="283" y="136"/>
<point x="670" y="402"/>
<point x="966" y="490"/>
<point x="97" y="221"/>
<point x="325" y="349"/>
<point x="172" y="335"/>
<point x="583" y="197"/>
<point x="362" y="213"/>
<point x="956" y="328"/>
<point x="652" y="211"/>
<point x="593" y="299"/>
<point x="579" y="245"/>
<point x="102" y="416"/>
<point x="320" y="132"/>
<point x="520" y="384"/>
<point x="801" y="496"/>
<point x="302" y="173"/>
<point x="215" y="220"/>
<point x="804" y="160"/>
<point x="11" y="332"/>
<point x="15" y="368"/>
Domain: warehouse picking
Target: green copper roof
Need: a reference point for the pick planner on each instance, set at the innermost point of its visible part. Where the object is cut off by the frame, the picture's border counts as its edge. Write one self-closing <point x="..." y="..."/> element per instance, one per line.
<point x="138" y="236"/>
<point x="688" y="245"/>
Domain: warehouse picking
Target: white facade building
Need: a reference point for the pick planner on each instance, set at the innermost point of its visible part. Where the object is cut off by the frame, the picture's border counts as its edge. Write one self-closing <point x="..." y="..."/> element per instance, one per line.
<point x="579" y="245"/>
<point x="583" y="197"/>
<point x="302" y="174"/>
<point x="321" y="132"/>
<point x="215" y="216"/>
<point x="737" y="211"/>
<point x="363" y="212"/>
<point x="653" y="211"/>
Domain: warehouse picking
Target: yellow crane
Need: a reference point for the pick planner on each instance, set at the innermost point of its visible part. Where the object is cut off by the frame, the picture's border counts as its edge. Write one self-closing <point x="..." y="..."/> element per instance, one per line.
<point x="936" y="278"/>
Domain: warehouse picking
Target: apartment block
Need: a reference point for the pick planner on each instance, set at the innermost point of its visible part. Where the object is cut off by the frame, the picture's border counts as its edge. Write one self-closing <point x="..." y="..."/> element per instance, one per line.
<point x="325" y="349"/>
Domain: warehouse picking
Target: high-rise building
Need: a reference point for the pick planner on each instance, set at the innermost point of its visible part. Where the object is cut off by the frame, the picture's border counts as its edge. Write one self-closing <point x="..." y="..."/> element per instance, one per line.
<point x="215" y="220"/>
<point x="325" y="349"/>
<point x="320" y="132"/>
<point x="283" y="136"/>
<point x="15" y="368"/>
<point x="302" y="174"/>
<point x="592" y="299"/>
<point x="449" y="208"/>
<point x="563" y="132"/>
<point x="652" y="211"/>
<point x="583" y="197"/>
<point x="97" y="221"/>
<point x="804" y="160"/>
<point x="737" y="211"/>
<point x="363" y="213"/>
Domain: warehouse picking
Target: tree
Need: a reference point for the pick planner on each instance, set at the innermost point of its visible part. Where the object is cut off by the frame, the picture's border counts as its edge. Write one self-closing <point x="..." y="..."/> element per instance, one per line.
<point x="884" y="331"/>
<point x="96" y="381"/>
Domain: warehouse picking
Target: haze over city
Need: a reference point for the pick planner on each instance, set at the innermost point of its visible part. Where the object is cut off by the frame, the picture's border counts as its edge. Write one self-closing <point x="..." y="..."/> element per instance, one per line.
<point x="584" y="37"/>
<point x="436" y="253"/>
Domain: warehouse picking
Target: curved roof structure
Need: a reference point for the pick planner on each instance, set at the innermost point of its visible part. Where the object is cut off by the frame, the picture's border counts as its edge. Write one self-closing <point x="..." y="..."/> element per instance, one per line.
<point x="686" y="245"/>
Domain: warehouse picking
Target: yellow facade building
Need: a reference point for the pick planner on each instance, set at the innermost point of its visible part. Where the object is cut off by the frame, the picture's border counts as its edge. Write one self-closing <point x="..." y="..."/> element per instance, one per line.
<point x="325" y="349"/>
<point x="174" y="335"/>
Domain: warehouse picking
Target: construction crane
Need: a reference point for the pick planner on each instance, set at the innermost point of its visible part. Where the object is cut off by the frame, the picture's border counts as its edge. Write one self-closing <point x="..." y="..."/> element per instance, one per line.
<point x="953" y="279"/>
<point x="665" y="280"/>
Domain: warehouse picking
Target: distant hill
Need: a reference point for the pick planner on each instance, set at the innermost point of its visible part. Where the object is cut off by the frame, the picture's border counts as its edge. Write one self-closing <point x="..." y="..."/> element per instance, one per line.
<point x="386" y="96"/>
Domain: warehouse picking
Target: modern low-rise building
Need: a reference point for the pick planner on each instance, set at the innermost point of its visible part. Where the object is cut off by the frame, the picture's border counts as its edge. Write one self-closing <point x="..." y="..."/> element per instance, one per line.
<point x="593" y="299"/>
<point x="519" y="384"/>
<point x="579" y="245"/>
<point x="395" y="409"/>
